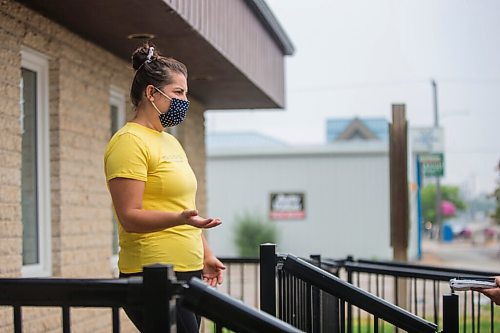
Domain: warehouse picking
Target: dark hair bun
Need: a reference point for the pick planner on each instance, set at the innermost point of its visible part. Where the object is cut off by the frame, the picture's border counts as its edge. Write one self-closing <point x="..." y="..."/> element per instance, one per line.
<point x="140" y="55"/>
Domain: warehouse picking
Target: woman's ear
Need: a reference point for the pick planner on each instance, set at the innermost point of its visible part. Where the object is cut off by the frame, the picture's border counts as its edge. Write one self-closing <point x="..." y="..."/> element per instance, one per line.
<point x="150" y="90"/>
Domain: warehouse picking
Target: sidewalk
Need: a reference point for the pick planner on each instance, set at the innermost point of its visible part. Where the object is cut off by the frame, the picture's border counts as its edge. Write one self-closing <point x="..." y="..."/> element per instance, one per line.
<point x="462" y="254"/>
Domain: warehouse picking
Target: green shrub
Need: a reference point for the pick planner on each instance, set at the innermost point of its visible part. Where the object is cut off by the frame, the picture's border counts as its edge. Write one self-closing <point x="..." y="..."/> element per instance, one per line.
<point x="250" y="232"/>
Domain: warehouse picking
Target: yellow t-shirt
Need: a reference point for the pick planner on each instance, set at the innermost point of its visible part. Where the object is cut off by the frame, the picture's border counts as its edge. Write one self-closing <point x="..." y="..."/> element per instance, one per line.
<point x="156" y="158"/>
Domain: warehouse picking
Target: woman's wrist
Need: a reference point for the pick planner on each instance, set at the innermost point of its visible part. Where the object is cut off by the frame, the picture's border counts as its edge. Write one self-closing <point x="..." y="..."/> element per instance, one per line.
<point x="179" y="219"/>
<point x="207" y="254"/>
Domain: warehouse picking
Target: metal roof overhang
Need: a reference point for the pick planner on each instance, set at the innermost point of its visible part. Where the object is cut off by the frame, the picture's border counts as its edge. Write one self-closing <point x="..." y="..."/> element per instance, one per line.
<point x="213" y="80"/>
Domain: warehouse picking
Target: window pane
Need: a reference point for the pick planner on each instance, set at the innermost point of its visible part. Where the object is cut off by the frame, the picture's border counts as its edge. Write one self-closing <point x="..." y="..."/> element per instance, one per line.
<point x="115" y="119"/>
<point x="29" y="168"/>
<point x="115" y="126"/>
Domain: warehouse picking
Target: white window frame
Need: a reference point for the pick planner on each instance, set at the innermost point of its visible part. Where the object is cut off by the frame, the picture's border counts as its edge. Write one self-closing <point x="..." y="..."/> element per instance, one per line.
<point x="39" y="63"/>
<point x="117" y="97"/>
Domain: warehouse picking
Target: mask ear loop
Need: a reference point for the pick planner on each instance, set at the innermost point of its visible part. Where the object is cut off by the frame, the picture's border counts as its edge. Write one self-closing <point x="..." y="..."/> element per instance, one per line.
<point x="156" y="108"/>
<point x="154" y="105"/>
<point x="161" y="92"/>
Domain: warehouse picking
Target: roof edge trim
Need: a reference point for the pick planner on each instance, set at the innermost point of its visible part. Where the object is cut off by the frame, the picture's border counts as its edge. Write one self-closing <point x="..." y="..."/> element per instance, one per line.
<point x="266" y="16"/>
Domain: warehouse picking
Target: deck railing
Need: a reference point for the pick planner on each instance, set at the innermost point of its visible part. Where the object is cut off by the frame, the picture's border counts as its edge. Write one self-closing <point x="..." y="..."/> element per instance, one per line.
<point x="155" y="293"/>
<point x="291" y="289"/>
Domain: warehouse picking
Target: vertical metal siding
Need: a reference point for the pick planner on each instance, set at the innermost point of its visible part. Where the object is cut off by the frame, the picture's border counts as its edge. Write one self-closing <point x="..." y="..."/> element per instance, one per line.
<point x="342" y="197"/>
<point x="237" y="34"/>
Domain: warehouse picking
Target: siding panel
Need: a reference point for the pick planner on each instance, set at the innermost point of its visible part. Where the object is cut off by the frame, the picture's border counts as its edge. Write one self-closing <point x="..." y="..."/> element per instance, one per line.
<point x="237" y="34"/>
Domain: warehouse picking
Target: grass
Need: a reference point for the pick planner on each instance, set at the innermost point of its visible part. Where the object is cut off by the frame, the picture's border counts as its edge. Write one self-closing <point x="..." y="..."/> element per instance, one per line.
<point x="367" y="326"/>
<point x="224" y="330"/>
<point x="484" y="325"/>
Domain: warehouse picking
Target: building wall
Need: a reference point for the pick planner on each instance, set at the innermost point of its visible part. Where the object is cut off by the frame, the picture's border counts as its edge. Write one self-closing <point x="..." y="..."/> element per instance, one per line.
<point x="222" y="23"/>
<point x="346" y="200"/>
<point x="80" y="77"/>
<point x="191" y="134"/>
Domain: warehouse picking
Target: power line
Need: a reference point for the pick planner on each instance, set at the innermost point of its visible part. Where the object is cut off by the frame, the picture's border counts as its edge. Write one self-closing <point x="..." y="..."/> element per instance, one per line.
<point x="479" y="151"/>
<point x="385" y="84"/>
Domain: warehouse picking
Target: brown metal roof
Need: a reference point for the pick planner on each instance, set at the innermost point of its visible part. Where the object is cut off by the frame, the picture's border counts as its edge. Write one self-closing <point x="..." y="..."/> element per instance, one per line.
<point x="226" y="71"/>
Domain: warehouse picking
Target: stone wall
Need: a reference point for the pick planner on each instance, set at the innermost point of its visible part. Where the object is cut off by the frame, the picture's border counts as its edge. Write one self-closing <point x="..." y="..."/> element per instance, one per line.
<point x="80" y="77"/>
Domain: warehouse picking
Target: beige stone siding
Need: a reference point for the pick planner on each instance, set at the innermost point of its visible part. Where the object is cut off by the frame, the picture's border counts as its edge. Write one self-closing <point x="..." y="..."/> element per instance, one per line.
<point x="80" y="77"/>
<point x="191" y="134"/>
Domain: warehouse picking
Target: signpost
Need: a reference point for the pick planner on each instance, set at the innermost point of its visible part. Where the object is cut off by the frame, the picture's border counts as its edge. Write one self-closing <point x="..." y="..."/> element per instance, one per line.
<point x="427" y="146"/>
<point x="432" y="164"/>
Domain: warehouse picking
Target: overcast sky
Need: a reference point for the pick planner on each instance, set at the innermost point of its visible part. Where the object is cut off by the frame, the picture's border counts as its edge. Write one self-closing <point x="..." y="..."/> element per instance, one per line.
<point x="357" y="57"/>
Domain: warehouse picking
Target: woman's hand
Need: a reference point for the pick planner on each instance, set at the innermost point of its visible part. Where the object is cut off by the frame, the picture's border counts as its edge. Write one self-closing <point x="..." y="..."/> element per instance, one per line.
<point x="191" y="217"/>
<point x="212" y="271"/>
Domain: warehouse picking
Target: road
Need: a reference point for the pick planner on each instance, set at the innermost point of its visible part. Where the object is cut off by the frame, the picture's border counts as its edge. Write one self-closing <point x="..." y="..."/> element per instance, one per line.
<point x="462" y="254"/>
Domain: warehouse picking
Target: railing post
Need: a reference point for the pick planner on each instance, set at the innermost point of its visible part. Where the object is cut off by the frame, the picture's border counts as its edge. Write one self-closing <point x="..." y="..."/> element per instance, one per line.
<point x="349" y="306"/>
<point x="158" y="297"/>
<point x="450" y="313"/>
<point x="268" y="278"/>
<point x="326" y="312"/>
<point x="316" y="300"/>
<point x="66" y="319"/>
<point x="116" y="319"/>
<point x="18" y="319"/>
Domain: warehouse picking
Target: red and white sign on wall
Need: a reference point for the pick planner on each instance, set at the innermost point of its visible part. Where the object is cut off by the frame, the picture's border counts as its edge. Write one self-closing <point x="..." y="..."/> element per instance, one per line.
<point x="287" y="206"/>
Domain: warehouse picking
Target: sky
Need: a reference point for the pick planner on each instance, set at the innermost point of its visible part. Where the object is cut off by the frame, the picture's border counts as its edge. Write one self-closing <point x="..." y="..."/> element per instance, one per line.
<point x="357" y="58"/>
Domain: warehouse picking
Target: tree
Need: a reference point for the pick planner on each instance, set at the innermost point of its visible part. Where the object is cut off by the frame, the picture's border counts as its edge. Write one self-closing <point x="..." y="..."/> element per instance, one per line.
<point x="496" y="195"/>
<point x="250" y="232"/>
<point x="448" y="193"/>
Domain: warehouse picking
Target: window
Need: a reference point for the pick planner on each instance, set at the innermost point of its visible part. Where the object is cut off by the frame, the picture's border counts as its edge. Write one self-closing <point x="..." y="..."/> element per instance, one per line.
<point x="117" y="111"/>
<point x="35" y="175"/>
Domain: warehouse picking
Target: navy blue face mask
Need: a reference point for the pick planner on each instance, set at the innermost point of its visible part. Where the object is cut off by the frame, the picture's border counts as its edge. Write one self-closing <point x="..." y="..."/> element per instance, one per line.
<point x="175" y="114"/>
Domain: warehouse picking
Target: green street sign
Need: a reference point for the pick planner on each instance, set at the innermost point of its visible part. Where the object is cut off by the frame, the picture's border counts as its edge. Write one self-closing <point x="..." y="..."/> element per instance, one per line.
<point x="432" y="164"/>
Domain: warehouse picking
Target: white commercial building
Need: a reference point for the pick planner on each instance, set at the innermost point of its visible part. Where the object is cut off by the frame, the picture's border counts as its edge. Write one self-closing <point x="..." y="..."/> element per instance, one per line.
<point x="331" y="199"/>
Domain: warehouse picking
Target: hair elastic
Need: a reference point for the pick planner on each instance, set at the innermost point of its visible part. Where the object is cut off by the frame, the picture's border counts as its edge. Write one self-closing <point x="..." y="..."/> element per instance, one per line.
<point x="148" y="58"/>
<point x="150" y="53"/>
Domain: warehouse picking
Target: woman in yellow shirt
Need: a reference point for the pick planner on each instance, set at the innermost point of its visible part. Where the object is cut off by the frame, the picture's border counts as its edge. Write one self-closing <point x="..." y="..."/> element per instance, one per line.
<point x="152" y="185"/>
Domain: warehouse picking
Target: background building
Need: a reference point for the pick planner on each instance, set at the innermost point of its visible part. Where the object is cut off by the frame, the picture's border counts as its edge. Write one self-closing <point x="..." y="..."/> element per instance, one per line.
<point x="343" y="188"/>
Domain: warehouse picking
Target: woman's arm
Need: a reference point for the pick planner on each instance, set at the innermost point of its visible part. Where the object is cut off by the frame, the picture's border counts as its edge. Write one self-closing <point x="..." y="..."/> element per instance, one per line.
<point x="212" y="267"/>
<point x="127" y="200"/>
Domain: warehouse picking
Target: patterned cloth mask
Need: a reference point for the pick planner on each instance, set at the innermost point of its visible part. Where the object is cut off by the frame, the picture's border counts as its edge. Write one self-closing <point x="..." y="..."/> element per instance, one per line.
<point x="175" y="114"/>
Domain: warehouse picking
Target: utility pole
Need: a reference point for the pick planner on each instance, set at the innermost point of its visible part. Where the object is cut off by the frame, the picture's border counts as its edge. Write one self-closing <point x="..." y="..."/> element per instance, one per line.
<point x="399" y="206"/>
<point x="398" y="175"/>
<point x="436" y="125"/>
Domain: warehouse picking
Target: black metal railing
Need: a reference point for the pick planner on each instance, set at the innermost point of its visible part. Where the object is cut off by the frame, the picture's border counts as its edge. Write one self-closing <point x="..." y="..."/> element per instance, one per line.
<point x="423" y="287"/>
<point x="291" y="289"/>
<point x="419" y="288"/>
<point x="155" y="293"/>
<point x="241" y="279"/>
<point x="228" y="312"/>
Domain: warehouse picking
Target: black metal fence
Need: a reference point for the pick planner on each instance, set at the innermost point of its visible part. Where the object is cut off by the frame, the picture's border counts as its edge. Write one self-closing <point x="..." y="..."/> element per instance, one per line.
<point x="241" y="280"/>
<point x="298" y="297"/>
<point x="418" y="288"/>
<point x="155" y="292"/>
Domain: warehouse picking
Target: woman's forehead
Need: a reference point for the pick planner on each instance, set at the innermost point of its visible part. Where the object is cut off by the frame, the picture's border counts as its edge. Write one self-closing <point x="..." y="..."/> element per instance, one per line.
<point x="178" y="80"/>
